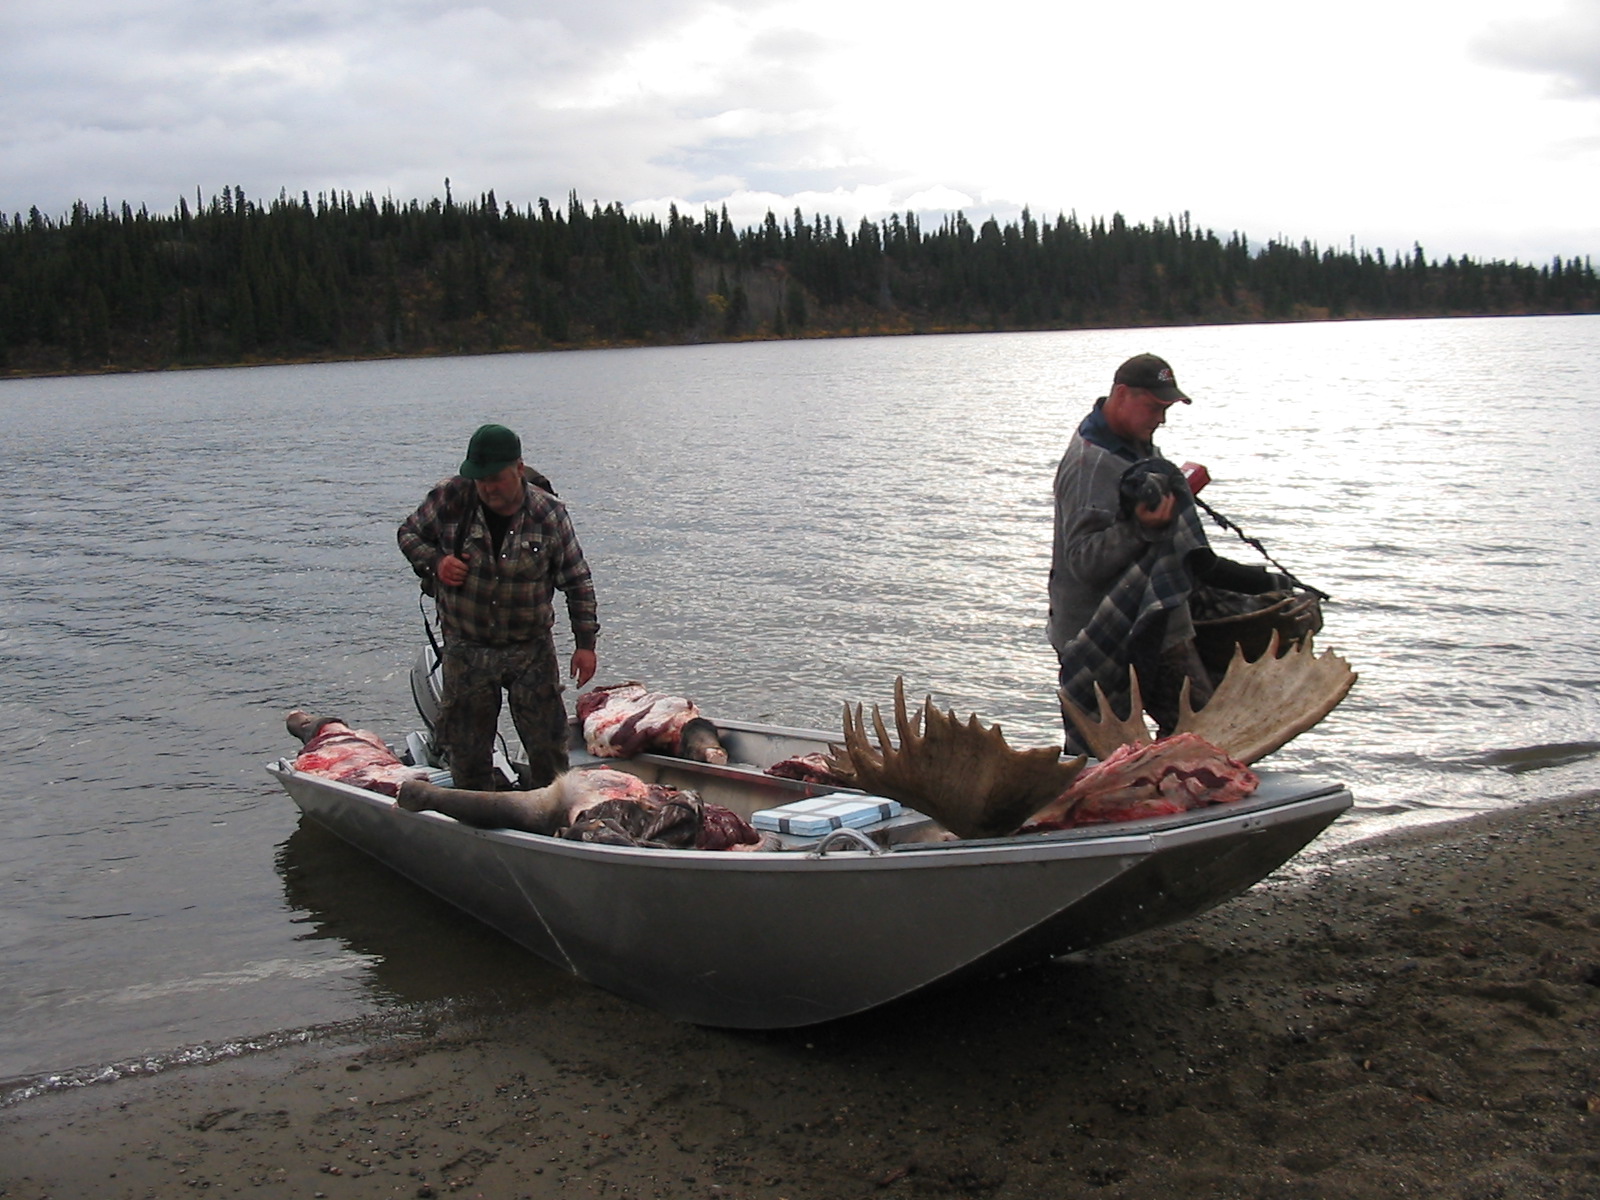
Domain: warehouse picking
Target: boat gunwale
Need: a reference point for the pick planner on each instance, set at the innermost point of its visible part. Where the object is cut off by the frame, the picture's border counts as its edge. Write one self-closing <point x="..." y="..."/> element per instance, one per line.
<point x="1135" y="838"/>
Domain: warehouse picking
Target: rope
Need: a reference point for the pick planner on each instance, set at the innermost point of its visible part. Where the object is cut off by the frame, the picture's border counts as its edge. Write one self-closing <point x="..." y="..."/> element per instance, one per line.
<point x="1256" y="544"/>
<point x="427" y="626"/>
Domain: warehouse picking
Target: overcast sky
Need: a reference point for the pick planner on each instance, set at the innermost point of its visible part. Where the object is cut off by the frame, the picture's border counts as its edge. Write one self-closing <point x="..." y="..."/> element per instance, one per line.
<point x="1468" y="126"/>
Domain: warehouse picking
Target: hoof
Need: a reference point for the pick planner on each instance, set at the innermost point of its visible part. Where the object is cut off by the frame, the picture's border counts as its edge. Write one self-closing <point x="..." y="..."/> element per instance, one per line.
<point x="412" y="797"/>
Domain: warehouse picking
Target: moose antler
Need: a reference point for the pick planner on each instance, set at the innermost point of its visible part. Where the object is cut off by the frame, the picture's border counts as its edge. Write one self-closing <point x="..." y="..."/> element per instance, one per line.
<point x="1260" y="706"/>
<point x="964" y="776"/>
<point x="1107" y="733"/>
<point x="1257" y="708"/>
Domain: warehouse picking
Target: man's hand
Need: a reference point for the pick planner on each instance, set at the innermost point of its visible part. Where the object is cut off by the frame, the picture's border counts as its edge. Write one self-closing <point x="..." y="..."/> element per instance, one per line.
<point x="451" y="571"/>
<point x="583" y="666"/>
<point x="1158" y="517"/>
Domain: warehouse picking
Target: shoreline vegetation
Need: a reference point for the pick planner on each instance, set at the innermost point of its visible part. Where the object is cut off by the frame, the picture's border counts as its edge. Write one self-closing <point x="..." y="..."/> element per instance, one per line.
<point x="1414" y="1015"/>
<point x="240" y="282"/>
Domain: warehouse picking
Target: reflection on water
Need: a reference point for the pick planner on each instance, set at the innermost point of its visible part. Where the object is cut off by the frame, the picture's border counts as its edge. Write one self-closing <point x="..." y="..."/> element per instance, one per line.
<point x="774" y="530"/>
<point x="417" y="948"/>
<point x="1520" y="759"/>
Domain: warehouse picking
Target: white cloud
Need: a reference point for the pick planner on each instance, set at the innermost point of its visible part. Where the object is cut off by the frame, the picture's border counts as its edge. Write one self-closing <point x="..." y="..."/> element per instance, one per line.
<point x="1388" y="122"/>
<point x="1563" y="44"/>
<point x="935" y="199"/>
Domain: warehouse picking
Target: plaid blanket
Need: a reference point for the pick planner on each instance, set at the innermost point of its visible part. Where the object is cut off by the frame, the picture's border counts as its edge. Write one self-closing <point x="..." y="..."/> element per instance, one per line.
<point x="1147" y="592"/>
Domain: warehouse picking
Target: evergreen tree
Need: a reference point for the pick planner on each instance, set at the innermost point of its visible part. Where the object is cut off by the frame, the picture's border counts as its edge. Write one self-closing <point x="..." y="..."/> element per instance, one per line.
<point x="244" y="318"/>
<point x="237" y="279"/>
<point x="738" y="315"/>
<point x="97" y="328"/>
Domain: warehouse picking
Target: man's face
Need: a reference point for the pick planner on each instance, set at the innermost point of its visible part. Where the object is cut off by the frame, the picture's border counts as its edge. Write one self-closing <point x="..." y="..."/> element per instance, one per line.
<point x="502" y="492"/>
<point x="1135" y="414"/>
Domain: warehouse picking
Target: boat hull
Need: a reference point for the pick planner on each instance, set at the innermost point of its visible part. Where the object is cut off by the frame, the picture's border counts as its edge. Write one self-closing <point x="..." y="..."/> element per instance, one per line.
<point x="777" y="940"/>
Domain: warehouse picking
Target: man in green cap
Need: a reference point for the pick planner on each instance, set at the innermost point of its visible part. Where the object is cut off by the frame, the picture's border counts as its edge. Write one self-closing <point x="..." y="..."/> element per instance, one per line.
<point x="491" y="545"/>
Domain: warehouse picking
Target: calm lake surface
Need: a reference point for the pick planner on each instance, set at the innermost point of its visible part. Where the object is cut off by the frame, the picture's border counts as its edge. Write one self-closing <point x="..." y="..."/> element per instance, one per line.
<point x="774" y="529"/>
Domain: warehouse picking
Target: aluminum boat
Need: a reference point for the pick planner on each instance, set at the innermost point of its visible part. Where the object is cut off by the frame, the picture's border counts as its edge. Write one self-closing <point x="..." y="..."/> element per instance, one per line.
<point x="828" y="925"/>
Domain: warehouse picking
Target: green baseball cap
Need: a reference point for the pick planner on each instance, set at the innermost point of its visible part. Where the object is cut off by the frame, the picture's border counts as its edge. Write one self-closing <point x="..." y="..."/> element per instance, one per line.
<point x="492" y="449"/>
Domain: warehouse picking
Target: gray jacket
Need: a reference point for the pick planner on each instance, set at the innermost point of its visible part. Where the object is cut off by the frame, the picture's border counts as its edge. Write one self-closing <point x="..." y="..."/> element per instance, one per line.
<point x="1094" y="544"/>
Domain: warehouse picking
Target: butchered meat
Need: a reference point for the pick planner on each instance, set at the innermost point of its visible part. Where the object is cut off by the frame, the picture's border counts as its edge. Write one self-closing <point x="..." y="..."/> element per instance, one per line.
<point x="624" y="719"/>
<point x="809" y="768"/>
<point x="358" y="757"/>
<point x="604" y="809"/>
<point x="1172" y="775"/>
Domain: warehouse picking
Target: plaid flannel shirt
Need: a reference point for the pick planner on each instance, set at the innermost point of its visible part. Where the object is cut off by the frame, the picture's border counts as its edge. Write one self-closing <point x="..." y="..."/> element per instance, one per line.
<point x="506" y="599"/>
<point x="1158" y="583"/>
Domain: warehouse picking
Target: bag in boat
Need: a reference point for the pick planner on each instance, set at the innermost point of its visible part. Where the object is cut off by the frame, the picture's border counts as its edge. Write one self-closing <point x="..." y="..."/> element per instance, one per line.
<point x="1217" y="630"/>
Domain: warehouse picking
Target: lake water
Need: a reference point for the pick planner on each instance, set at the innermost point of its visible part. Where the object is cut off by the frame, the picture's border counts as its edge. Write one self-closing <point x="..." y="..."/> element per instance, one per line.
<point x="774" y="529"/>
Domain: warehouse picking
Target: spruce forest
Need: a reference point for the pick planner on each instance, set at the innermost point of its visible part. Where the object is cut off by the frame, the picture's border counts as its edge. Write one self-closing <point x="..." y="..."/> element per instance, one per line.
<point x="240" y="281"/>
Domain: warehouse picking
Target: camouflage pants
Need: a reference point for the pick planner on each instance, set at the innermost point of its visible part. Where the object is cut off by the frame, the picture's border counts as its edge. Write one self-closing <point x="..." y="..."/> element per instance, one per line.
<point x="469" y="716"/>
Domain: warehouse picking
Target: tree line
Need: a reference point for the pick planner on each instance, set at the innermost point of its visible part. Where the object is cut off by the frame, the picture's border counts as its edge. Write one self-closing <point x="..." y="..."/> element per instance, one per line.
<point x="237" y="280"/>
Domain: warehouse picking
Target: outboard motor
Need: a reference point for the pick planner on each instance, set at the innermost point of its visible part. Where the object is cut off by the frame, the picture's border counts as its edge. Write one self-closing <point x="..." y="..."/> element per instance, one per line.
<point x="427" y="686"/>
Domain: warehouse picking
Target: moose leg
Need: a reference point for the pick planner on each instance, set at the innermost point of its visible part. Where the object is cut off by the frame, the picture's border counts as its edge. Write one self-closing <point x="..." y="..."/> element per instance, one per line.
<point x="539" y="811"/>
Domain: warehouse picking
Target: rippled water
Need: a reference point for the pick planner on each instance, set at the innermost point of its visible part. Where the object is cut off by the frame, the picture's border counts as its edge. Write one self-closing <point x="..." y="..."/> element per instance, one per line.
<point x="774" y="529"/>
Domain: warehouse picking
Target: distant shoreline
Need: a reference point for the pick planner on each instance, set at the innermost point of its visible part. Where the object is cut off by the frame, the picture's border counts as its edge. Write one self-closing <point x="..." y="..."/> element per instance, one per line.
<point x="237" y="282"/>
<point x="808" y="336"/>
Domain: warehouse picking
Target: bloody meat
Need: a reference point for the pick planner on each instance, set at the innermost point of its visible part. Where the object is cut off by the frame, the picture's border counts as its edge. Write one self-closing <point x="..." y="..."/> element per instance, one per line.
<point x="1157" y="779"/>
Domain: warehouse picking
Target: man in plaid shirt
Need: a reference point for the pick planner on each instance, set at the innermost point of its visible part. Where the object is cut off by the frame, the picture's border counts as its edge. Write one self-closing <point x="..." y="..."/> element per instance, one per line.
<point x="491" y="546"/>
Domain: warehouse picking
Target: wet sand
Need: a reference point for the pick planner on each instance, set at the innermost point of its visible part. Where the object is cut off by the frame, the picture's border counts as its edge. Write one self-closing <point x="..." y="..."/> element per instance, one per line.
<point x="1425" y="1023"/>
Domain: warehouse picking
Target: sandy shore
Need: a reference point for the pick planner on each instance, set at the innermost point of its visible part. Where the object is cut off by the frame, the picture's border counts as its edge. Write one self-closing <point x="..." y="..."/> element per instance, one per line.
<point x="1426" y="1023"/>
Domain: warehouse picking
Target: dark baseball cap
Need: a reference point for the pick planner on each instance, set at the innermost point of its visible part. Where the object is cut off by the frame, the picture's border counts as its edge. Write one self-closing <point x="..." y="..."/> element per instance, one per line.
<point x="1151" y="374"/>
<point x="492" y="449"/>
